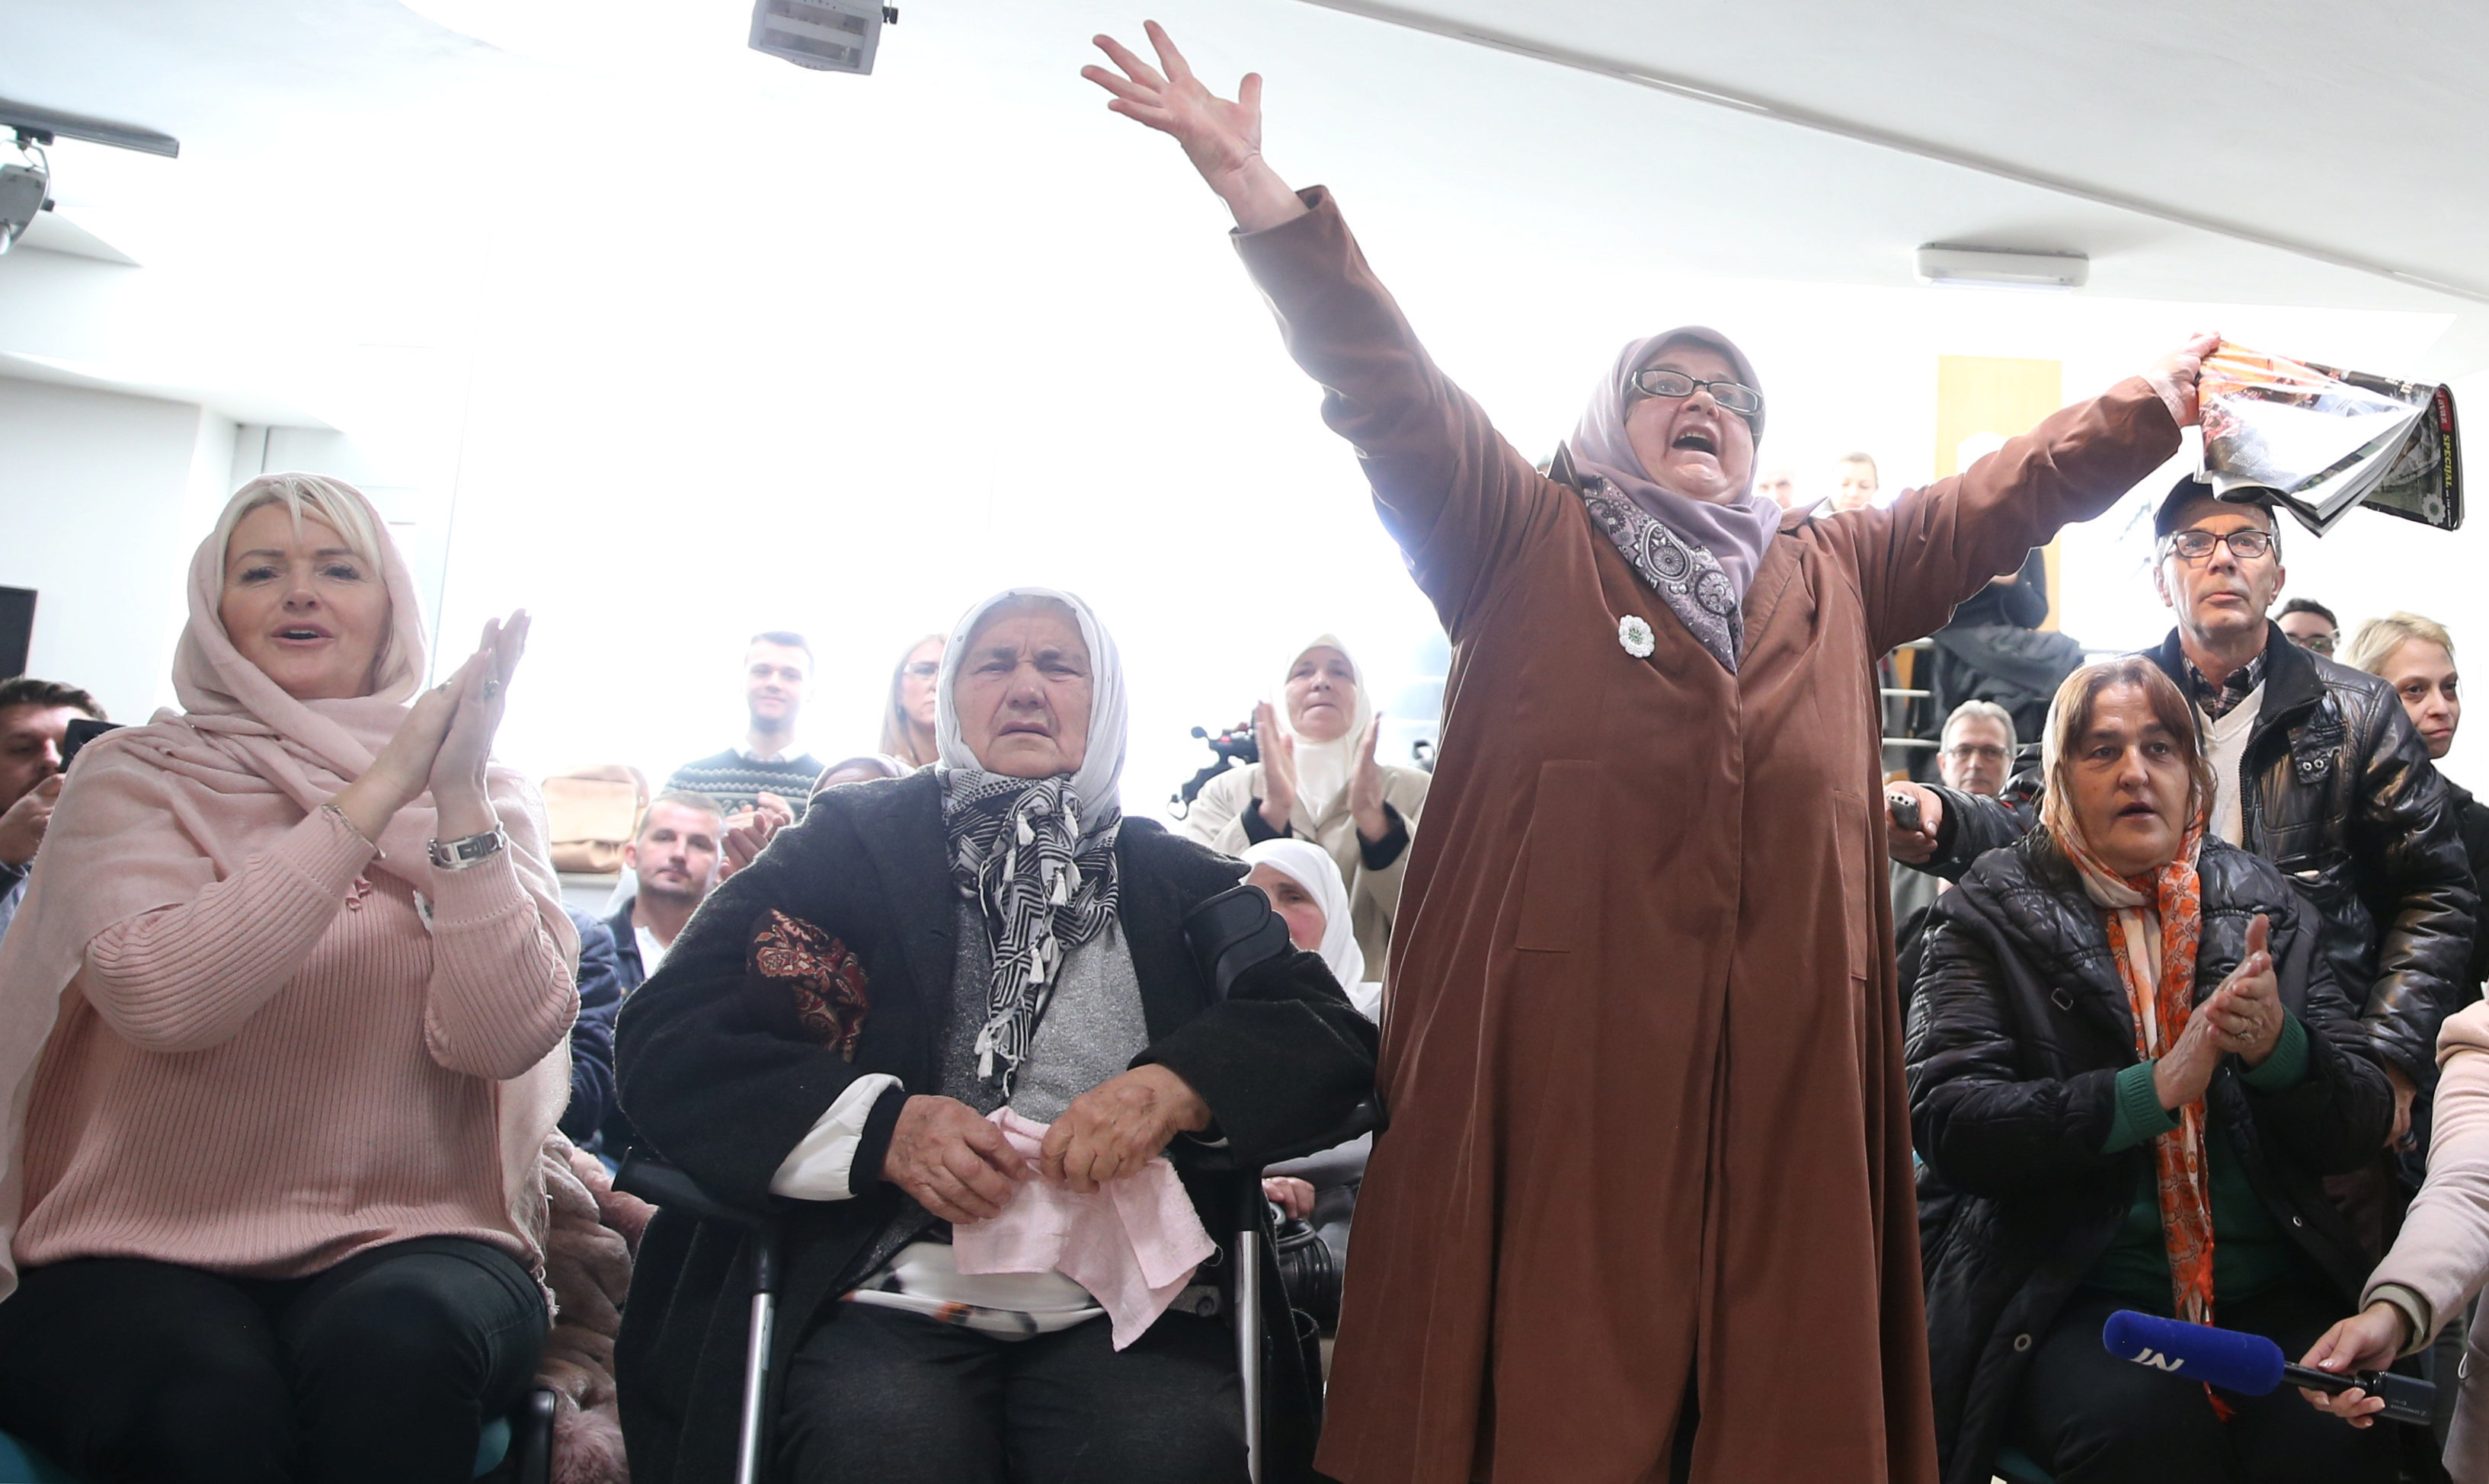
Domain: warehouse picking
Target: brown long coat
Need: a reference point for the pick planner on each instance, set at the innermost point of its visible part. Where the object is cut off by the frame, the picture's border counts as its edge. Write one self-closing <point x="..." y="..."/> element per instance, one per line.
<point x="1642" y="1055"/>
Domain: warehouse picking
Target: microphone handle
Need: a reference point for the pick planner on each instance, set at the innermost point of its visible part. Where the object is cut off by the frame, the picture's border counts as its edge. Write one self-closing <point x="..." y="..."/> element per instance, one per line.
<point x="2407" y="1398"/>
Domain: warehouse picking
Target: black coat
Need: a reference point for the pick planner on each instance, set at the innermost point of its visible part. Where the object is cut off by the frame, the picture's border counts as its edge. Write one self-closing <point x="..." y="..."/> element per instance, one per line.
<point x="2337" y="791"/>
<point x="2020" y="1028"/>
<point x="718" y="1075"/>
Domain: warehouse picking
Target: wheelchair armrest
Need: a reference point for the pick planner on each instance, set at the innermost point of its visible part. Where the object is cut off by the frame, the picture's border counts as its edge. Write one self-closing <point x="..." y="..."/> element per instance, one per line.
<point x="662" y="1186"/>
<point x="1367" y="1117"/>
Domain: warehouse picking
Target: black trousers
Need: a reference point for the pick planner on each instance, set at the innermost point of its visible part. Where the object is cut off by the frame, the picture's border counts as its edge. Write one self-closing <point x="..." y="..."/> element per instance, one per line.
<point x="879" y="1394"/>
<point x="381" y="1369"/>
<point x="2092" y="1419"/>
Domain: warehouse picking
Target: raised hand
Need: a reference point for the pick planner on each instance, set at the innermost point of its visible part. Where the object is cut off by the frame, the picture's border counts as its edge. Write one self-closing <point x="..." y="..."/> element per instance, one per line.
<point x="442" y="745"/>
<point x="1222" y="138"/>
<point x="23" y="823"/>
<point x="2183" y="1072"/>
<point x="1365" y="787"/>
<point x="749" y="832"/>
<point x="2175" y="377"/>
<point x="1279" y="768"/>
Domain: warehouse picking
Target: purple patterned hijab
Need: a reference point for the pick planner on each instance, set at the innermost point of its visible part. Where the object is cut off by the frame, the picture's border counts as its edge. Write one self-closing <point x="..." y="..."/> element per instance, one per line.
<point x="1734" y="533"/>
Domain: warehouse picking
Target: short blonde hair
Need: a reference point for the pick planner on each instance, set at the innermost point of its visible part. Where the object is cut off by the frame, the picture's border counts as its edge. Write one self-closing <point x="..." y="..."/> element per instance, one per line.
<point x="2375" y="641"/>
<point x="333" y="502"/>
<point x="2070" y="715"/>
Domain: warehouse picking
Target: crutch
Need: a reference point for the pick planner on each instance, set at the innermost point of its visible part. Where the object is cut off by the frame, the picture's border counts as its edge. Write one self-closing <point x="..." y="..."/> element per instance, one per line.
<point x="662" y="1186"/>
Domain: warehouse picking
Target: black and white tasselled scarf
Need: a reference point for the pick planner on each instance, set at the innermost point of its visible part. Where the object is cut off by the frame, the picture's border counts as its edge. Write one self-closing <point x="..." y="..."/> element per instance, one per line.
<point x="1018" y="850"/>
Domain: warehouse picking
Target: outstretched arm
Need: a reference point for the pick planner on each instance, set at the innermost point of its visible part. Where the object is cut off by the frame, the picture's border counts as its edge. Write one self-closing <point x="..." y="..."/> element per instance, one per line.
<point x="1459" y="499"/>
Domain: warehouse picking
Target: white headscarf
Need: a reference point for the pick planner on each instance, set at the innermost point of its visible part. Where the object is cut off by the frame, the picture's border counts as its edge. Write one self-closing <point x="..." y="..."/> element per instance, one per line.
<point x="1311" y="867"/>
<point x="1323" y="768"/>
<point x="1099" y="783"/>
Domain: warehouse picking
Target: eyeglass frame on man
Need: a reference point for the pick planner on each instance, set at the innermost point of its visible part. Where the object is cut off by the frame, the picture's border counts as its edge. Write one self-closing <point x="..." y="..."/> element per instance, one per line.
<point x="2178" y="539"/>
<point x="1693" y="383"/>
<point x="1988" y="751"/>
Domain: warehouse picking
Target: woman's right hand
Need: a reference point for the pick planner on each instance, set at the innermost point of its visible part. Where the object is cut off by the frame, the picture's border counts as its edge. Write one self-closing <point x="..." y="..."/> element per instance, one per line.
<point x="2367" y="1341"/>
<point x="958" y="1165"/>
<point x="1279" y="768"/>
<point x="1222" y="139"/>
<point x="403" y="770"/>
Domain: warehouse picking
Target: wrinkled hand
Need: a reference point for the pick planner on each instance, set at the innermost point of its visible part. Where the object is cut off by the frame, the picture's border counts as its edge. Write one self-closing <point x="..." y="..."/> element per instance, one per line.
<point x="1279" y="768"/>
<point x="2403" y="1094"/>
<point x="2175" y="377"/>
<point x="1114" y="1129"/>
<point x="1365" y="787"/>
<point x="22" y="826"/>
<point x="2247" y="1010"/>
<point x="2183" y="1072"/>
<point x="1222" y="139"/>
<point x="750" y="831"/>
<point x="1294" y="1197"/>
<point x="2367" y="1341"/>
<point x="957" y="1164"/>
<point x="1913" y="848"/>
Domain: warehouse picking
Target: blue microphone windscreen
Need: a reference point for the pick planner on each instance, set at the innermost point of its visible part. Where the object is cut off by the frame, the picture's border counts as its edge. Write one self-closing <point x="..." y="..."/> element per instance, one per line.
<point x="2228" y="1359"/>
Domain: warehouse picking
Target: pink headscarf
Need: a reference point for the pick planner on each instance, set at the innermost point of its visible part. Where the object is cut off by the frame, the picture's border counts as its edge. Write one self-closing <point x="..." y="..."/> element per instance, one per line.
<point x="1734" y="533"/>
<point x="154" y="815"/>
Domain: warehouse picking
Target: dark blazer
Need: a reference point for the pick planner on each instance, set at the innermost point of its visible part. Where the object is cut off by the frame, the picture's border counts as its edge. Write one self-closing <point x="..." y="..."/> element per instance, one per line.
<point x="718" y="1075"/>
<point x="2337" y="791"/>
<point x="2018" y="1033"/>
<point x="625" y="934"/>
<point x="591" y="1035"/>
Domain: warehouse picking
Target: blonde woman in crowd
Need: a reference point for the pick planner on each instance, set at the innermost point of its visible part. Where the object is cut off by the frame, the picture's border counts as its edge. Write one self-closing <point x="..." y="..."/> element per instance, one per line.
<point x="1318" y="781"/>
<point x="282" y="1032"/>
<point x="907" y="721"/>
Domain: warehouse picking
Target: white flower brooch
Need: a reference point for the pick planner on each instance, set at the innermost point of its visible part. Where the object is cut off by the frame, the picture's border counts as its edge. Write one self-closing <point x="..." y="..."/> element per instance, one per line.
<point x="1636" y="635"/>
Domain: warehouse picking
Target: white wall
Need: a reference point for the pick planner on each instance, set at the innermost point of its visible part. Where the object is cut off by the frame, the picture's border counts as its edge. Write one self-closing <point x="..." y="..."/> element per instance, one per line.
<point x="103" y="499"/>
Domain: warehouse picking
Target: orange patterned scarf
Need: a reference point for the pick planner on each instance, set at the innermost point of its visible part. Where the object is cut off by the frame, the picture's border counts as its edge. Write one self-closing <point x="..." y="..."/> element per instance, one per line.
<point x="2154" y="922"/>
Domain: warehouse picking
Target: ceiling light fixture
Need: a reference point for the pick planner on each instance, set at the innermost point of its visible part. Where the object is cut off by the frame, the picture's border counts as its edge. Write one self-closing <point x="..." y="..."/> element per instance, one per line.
<point x="25" y="189"/>
<point x="1998" y="268"/>
<point x="827" y="36"/>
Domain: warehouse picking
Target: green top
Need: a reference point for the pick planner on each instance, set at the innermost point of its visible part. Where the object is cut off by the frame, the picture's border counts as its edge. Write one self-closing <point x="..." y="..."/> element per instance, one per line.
<point x="2251" y="1254"/>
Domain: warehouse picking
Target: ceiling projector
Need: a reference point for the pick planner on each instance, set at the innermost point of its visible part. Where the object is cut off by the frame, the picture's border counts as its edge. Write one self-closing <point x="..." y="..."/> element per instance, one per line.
<point x="827" y="36"/>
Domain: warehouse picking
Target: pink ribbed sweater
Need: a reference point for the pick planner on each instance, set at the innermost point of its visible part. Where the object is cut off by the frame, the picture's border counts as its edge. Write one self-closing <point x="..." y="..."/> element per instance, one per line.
<point x="265" y="1080"/>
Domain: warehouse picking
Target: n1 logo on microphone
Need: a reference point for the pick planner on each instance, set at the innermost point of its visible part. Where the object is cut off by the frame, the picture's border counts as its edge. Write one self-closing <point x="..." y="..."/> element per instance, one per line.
<point x="2156" y="1360"/>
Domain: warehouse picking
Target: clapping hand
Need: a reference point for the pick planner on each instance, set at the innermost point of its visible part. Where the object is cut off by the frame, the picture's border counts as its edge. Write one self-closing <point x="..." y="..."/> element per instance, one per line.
<point x="1365" y="788"/>
<point x="749" y="832"/>
<point x="1279" y="768"/>
<point x="443" y="744"/>
<point x="1222" y="138"/>
<point x="2244" y="1015"/>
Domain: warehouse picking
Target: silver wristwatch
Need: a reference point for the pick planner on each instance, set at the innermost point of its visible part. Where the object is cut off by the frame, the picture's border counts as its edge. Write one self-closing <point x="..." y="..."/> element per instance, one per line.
<point x="459" y="854"/>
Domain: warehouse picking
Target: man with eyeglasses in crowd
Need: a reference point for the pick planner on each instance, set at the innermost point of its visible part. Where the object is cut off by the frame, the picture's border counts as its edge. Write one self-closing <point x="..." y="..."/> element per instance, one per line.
<point x="2308" y="624"/>
<point x="2318" y="770"/>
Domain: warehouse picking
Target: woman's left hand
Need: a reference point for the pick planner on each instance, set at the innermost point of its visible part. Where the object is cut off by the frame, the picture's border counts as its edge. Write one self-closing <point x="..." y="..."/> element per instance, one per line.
<point x="2246" y="1009"/>
<point x="2367" y="1341"/>
<point x="1119" y="1125"/>
<point x="457" y="781"/>
<point x="1365" y="788"/>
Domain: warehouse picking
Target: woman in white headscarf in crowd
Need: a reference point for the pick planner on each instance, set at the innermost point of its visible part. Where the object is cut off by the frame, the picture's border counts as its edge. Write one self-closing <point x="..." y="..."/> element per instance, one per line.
<point x="1305" y="891"/>
<point x="1318" y="781"/>
<point x="858" y="1027"/>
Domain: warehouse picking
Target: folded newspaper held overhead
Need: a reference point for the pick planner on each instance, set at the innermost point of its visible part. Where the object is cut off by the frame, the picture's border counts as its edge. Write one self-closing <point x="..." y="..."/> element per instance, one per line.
<point x="2324" y="440"/>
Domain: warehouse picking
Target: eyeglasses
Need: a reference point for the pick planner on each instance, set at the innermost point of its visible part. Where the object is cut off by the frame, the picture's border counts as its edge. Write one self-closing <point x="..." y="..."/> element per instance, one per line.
<point x="2245" y="545"/>
<point x="2320" y="644"/>
<point x="922" y="669"/>
<point x="1975" y="752"/>
<point x="1745" y="401"/>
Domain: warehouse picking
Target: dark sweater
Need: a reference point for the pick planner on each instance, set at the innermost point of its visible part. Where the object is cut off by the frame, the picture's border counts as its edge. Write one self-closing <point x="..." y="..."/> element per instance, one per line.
<point x="736" y="781"/>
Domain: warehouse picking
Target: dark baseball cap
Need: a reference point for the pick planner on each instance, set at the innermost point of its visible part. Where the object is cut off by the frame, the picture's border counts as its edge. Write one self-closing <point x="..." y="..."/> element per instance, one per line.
<point x="2195" y="487"/>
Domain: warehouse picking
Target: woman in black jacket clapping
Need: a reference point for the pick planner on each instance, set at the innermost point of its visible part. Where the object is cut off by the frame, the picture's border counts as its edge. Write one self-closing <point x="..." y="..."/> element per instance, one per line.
<point x="2130" y="1071"/>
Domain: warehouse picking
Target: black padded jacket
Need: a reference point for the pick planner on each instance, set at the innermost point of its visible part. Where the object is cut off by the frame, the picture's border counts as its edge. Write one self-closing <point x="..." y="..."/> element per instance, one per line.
<point x="2337" y="791"/>
<point x="2018" y="1028"/>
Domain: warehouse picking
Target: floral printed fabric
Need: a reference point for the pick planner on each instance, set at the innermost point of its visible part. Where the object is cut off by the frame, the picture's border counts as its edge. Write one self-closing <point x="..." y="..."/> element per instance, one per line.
<point x="823" y="977"/>
<point x="2160" y="917"/>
